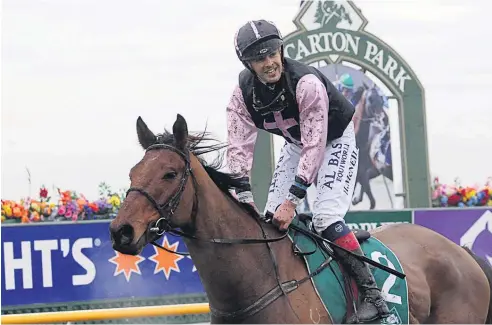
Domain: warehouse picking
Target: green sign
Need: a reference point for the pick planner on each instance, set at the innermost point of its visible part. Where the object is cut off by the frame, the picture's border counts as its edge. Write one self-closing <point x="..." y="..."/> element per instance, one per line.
<point x="331" y="36"/>
<point x="369" y="220"/>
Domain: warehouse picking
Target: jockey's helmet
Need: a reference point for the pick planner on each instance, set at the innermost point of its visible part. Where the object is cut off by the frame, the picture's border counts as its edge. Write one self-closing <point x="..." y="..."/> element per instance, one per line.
<point x="346" y="81"/>
<point x="256" y="39"/>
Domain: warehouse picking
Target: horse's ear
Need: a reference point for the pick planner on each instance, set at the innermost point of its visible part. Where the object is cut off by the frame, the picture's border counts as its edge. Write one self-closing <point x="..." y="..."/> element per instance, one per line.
<point x="145" y="136"/>
<point x="180" y="132"/>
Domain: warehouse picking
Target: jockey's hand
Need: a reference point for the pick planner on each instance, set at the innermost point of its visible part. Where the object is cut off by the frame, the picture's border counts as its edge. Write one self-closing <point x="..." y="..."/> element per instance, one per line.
<point x="284" y="215"/>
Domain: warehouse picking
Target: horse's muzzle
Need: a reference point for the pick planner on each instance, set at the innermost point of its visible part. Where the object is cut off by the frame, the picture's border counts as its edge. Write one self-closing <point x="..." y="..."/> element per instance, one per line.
<point x="122" y="239"/>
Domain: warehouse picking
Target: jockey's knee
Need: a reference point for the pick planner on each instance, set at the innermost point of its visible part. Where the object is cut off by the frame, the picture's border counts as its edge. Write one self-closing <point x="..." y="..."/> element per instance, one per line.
<point x="321" y="221"/>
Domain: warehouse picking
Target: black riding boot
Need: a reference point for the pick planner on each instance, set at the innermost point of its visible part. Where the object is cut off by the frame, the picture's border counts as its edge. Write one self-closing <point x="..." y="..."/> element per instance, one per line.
<point x="372" y="305"/>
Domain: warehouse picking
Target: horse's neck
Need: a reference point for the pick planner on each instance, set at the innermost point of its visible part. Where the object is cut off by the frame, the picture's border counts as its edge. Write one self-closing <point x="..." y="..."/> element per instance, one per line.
<point x="233" y="276"/>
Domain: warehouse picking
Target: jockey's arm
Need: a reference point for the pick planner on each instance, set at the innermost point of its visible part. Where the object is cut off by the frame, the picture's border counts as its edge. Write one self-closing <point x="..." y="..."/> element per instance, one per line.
<point x="241" y="139"/>
<point x="313" y="103"/>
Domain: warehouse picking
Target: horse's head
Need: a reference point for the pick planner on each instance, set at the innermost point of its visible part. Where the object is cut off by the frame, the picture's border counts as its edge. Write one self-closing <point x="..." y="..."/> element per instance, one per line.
<point x="374" y="102"/>
<point x="161" y="194"/>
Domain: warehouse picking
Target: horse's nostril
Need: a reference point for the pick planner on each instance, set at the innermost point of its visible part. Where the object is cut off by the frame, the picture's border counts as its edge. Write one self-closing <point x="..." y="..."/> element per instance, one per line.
<point x="126" y="234"/>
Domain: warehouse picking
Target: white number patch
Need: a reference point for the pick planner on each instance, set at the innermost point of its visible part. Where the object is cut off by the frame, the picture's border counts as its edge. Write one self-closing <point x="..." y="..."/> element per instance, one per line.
<point x="390" y="281"/>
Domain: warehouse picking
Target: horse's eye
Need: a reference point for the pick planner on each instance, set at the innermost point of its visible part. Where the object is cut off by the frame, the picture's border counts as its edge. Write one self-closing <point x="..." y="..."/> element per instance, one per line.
<point x="170" y="175"/>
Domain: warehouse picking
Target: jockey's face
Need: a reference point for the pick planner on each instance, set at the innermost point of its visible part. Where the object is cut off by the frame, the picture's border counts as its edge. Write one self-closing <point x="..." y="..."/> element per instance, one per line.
<point x="268" y="69"/>
<point x="347" y="92"/>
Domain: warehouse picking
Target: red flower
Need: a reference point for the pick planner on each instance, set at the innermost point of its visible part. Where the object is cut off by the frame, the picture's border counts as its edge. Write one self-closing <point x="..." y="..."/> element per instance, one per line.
<point x="454" y="199"/>
<point x="43" y="193"/>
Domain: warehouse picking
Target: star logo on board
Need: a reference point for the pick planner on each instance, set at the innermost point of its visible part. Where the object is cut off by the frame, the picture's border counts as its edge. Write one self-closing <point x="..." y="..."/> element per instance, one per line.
<point x="166" y="262"/>
<point x="126" y="264"/>
<point x="194" y="267"/>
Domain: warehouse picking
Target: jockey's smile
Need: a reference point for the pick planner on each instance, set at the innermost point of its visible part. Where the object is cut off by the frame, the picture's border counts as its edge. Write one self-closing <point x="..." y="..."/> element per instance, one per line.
<point x="269" y="68"/>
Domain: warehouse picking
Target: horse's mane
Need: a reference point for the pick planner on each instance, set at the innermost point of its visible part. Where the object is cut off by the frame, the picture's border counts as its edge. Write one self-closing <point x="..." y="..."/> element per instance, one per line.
<point x="224" y="181"/>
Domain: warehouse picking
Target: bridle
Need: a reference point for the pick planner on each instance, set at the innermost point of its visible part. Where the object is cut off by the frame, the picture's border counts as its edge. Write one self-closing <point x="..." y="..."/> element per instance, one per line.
<point x="167" y="209"/>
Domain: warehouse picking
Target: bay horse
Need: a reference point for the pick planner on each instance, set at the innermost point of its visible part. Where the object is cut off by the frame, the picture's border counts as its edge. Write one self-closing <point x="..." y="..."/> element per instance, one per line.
<point x="371" y="120"/>
<point x="241" y="259"/>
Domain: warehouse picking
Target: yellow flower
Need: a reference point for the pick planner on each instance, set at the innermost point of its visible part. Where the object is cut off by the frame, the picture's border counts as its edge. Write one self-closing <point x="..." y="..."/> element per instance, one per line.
<point x="115" y="200"/>
<point x="35" y="207"/>
<point x="7" y="209"/>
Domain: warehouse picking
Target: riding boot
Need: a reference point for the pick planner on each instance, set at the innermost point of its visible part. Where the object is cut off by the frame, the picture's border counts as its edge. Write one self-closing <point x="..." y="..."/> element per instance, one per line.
<point x="372" y="305"/>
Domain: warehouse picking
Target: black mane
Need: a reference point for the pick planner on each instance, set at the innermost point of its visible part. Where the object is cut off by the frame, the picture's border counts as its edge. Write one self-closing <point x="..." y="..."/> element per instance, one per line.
<point x="224" y="181"/>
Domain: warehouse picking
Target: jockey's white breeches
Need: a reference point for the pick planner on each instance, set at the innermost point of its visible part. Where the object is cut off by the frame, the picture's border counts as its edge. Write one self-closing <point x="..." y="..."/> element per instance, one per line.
<point x="335" y="182"/>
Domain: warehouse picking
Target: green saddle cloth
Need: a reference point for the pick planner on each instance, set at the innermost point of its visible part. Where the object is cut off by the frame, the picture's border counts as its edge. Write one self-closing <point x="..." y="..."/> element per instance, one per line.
<point x="333" y="289"/>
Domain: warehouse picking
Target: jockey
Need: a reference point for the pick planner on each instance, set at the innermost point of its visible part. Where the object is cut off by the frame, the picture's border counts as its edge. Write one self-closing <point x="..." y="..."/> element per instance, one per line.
<point x="296" y="101"/>
<point x="346" y="86"/>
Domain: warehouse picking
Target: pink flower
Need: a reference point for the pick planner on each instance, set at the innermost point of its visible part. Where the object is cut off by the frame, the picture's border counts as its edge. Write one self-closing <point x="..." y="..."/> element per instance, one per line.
<point x="62" y="210"/>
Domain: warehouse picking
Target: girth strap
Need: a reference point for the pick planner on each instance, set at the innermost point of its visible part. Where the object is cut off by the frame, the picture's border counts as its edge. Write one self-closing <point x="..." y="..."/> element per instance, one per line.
<point x="261" y="303"/>
<point x="268" y="298"/>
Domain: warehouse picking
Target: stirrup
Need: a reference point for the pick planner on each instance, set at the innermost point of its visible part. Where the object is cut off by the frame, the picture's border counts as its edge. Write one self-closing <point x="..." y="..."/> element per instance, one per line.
<point x="354" y="318"/>
<point x="377" y="303"/>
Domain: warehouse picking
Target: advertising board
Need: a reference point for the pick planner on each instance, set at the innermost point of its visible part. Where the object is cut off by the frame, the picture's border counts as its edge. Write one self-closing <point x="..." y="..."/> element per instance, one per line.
<point x="75" y="262"/>
<point x="466" y="227"/>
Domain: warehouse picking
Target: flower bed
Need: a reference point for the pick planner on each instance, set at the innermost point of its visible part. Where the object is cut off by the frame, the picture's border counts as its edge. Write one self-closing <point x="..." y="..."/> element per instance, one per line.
<point x="456" y="195"/>
<point x="69" y="206"/>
